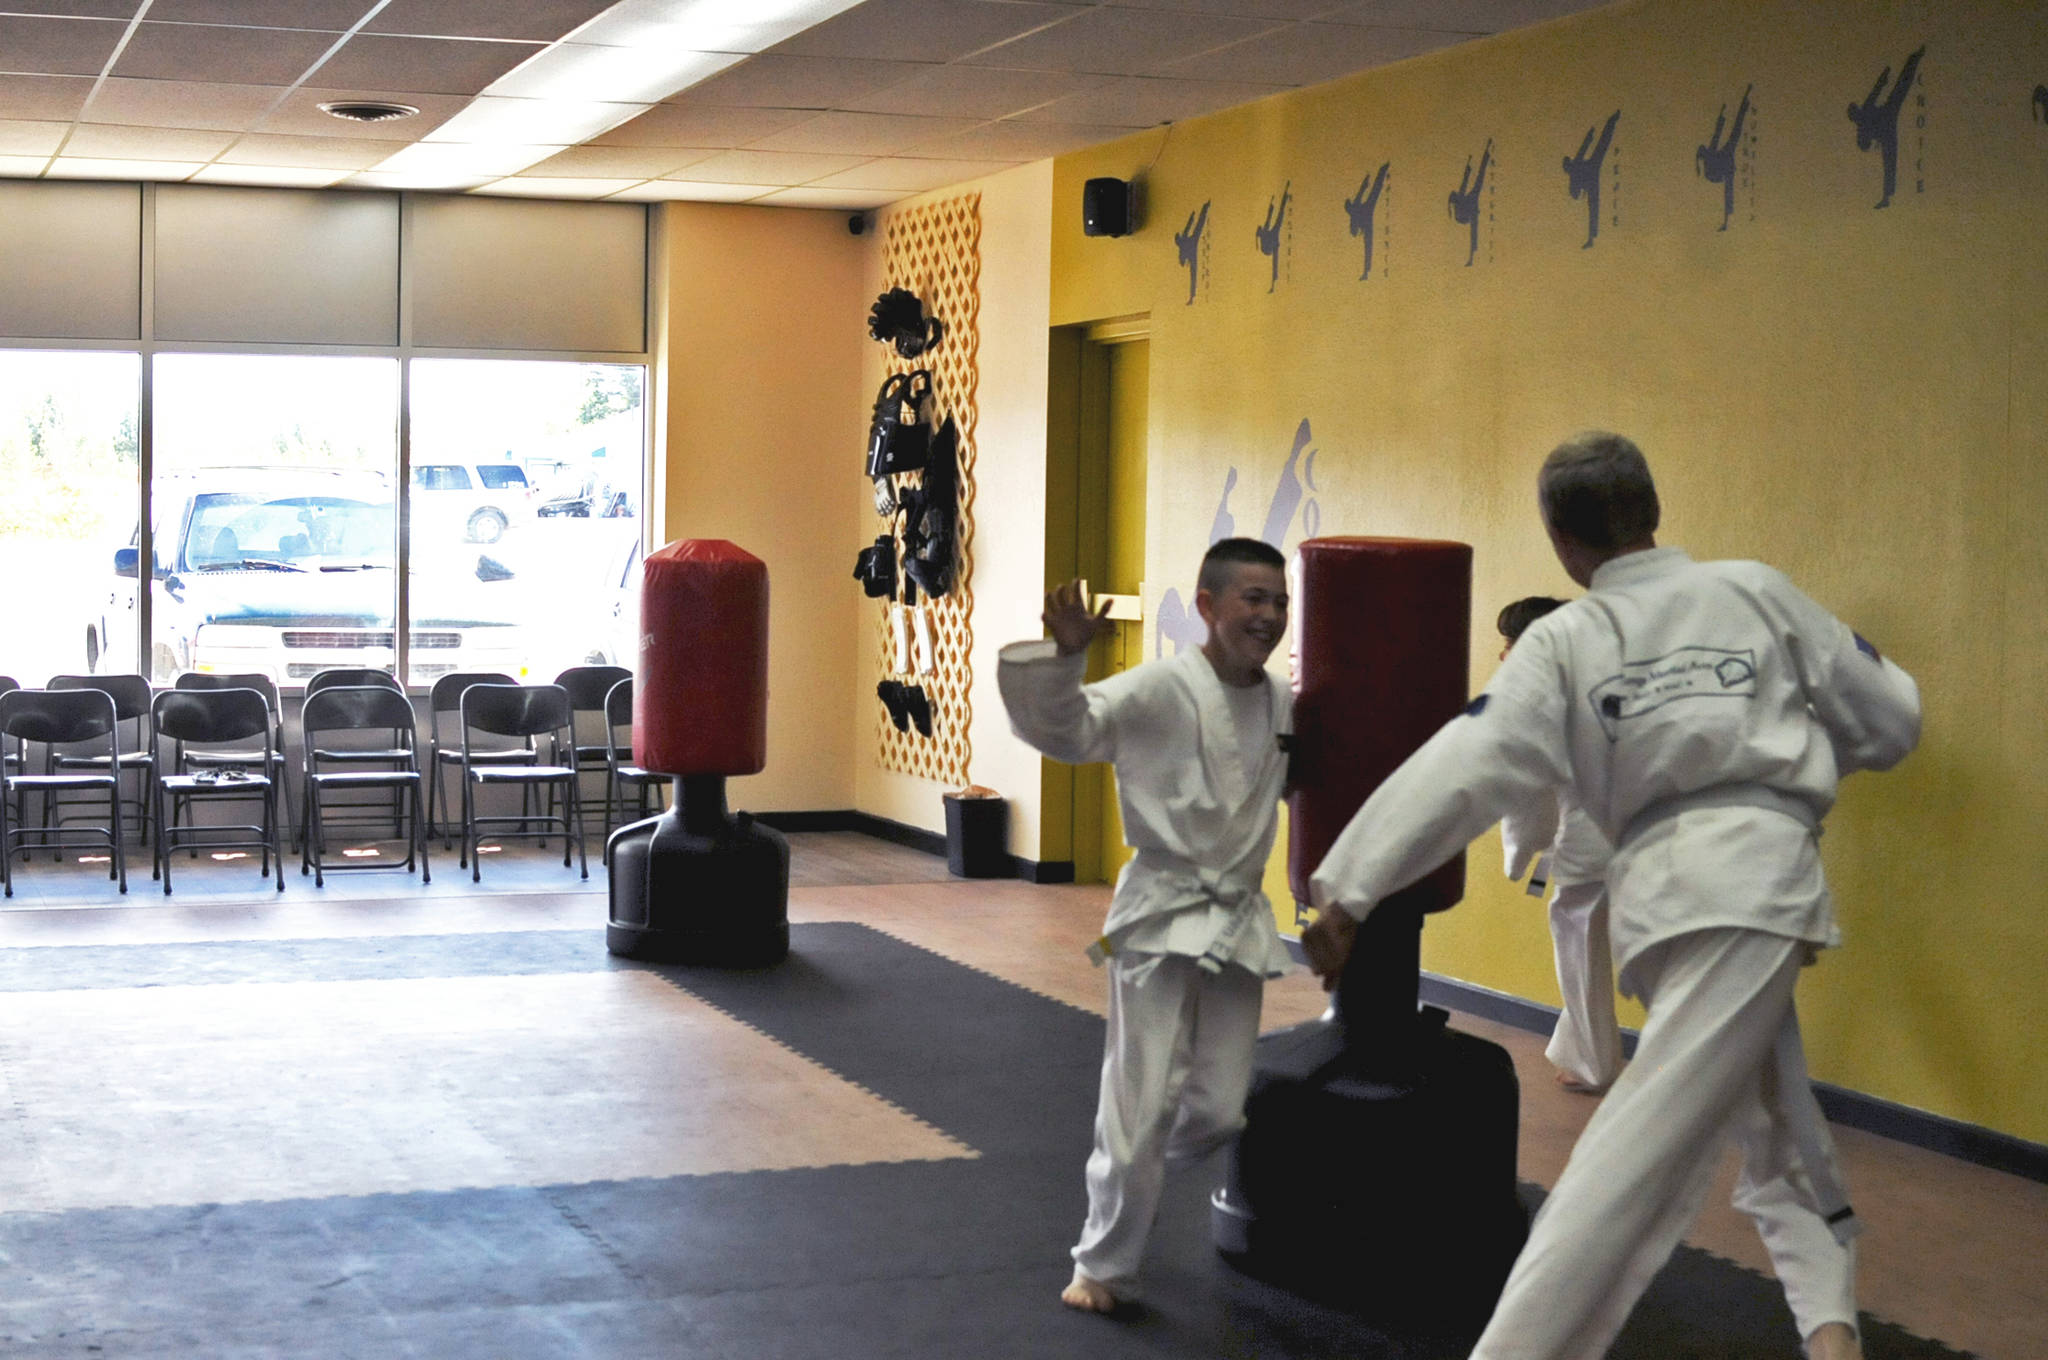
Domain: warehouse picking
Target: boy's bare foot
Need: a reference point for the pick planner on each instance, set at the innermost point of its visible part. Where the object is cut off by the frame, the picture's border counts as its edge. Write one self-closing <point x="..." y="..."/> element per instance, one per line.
<point x="1090" y="1296"/>
<point x="1834" y="1341"/>
<point x="1582" y="1088"/>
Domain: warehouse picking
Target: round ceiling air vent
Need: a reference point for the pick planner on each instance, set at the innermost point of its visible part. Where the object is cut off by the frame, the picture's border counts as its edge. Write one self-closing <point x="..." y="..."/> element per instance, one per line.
<point x="367" y="110"/>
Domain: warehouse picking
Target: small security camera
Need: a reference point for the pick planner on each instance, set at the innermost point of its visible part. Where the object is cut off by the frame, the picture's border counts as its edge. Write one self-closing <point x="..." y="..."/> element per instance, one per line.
<point x="857" y="224"/>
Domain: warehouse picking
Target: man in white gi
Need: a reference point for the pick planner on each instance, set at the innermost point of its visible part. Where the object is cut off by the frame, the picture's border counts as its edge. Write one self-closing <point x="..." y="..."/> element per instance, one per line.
<point x="1189" y="940"/>
<point x="1702" y="714"/>
<point x="1585" y="1046"/>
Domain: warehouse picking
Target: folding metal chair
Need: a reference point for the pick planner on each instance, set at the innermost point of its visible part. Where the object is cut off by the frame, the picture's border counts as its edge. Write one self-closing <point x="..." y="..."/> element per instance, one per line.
<point x="185" y="760"/>
<point x="214" y="718"/>
<point x="620" y="771"/>
<point x="446" y="697"/>
<point x="131" y="695"/>
<point x="587" y="687"/>
<point x="60" y="718"/>
<point x="533" y="711"/>
<point x="359" y="708"/>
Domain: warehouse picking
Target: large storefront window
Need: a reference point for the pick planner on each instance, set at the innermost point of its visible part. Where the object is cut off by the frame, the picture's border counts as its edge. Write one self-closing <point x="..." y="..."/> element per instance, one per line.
<point x="526" y="482"/>
<point x="274" y="513"/>
<point x="68" y="488"/>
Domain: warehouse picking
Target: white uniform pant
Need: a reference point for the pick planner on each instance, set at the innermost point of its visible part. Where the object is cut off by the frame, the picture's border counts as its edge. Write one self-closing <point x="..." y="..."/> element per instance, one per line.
<point x="1703" y="1073"/>
<point x="1176" y="1062"/>
<point x="1586" y="1045"/>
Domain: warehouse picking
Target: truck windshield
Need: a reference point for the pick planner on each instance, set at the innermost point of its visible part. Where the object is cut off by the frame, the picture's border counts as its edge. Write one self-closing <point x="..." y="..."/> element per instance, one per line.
<point x="241" y="531"/>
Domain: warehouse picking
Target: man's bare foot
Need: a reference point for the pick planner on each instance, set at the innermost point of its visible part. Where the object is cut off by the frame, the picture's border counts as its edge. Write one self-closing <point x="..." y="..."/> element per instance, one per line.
<point x="1090" y="1296"/>
<point x="1833" y="1341"/>
<point x="1581" y="1088"/>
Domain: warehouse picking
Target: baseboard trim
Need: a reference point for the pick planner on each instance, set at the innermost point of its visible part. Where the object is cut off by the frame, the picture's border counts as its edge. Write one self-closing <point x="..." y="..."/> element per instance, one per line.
<point x="910" y="837"/>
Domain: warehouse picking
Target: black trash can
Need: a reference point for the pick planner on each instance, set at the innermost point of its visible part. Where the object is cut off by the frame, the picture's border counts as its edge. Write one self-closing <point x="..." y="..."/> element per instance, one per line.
<point x="978" y="837"/>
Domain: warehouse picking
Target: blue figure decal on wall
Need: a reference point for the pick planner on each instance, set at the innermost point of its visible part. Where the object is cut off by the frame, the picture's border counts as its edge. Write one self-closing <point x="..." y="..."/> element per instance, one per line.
<point x="1188" y="241"/>
<point x="1359" y="208"/>
<point x="1269" y="234"/>
<point x="1879" y="122"/>
<point x="1582" y="174"/>
<point x="1182" y="626"/>
<point x="1716" y="160"/>
<point x="1465" y="199"/>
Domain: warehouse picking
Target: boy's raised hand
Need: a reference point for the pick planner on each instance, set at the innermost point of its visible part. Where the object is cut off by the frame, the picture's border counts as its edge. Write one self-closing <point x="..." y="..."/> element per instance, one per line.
<point x="1072" y="624"/>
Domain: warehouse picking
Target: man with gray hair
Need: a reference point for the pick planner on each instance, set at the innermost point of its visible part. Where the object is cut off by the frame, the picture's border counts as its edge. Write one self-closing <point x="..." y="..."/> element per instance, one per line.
<point x="1702" y="713"/>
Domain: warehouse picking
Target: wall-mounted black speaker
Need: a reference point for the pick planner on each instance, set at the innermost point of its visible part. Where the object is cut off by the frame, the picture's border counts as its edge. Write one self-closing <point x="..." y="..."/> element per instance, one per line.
<point x="1109" y="207"/>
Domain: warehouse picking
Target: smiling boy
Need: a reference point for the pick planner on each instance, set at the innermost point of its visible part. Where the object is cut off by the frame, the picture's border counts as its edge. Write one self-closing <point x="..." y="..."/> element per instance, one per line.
<point x="1189" y="940"/>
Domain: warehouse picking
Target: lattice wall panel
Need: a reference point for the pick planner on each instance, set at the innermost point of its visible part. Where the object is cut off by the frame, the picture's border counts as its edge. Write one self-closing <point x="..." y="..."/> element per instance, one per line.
<point x="935" y="251"/>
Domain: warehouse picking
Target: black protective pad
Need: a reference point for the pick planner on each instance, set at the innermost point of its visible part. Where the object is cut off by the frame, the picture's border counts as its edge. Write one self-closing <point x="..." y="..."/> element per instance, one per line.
<point x="950" y="1258"/>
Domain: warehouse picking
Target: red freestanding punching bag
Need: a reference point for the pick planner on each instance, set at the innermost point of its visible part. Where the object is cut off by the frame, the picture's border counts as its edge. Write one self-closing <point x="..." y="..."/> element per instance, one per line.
<point x="698" y="884"/>
<point x="1385" y="635"/>
<point x="700" y="701"/>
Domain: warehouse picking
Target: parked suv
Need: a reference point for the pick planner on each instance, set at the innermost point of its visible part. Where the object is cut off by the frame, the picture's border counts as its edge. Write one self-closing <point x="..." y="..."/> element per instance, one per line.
<point x="289" y="571"/>
<point x="479" y="500"/>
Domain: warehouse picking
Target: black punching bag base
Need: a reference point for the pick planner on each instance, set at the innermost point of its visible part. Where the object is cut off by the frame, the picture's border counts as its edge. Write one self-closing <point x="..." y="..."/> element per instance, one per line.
<point x="697" y="885"/>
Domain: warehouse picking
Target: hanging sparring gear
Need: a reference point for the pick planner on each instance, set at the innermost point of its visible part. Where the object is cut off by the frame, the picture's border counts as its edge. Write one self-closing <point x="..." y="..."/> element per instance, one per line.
<point x="875" y="568"/>
<point x="930" y="561"/>
<point x="898" y="319"/>
<point x="898" y="438"/>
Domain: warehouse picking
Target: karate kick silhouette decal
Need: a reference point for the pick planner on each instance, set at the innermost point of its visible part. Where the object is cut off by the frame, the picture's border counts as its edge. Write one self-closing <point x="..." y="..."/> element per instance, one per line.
<point x="1582" y="174"/>
<point x="1269" y="235"/>
<point x="1359" y="208"/>
<point x="1192" y="241"/>
<point x="1877" y="119"/>
<point x="1465" y="199"/>
<point x="1716" y="160"/>
<point x="1178" y="623"/>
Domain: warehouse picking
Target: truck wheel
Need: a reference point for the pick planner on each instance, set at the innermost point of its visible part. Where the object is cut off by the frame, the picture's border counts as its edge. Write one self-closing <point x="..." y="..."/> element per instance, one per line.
<point x="486" y="526"/>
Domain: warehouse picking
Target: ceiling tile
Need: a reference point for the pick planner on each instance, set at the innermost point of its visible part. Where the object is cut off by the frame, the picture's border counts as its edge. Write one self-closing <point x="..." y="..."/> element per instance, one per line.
<point x="331" y="15"/>
<point x="525" y="186"/>
<point x="268" y="176"/>
<point x="1145" y="101"/>
<point x="300" y="115"/>
<point x="180" y="104"/>
<point x="1455" y="16"/>
<point x="31" y="139"/>
<point x="1130" y="42"/>
<point x="243" y="56"/>
<point x="1306" y="54"/>
<point x="107" y="141"/>
<point x="774" y="81"/>
<point x="57" y="47"/>
<point x="840" y="200"/>
<point x="615" y="162"/>
<point x="677" y="191"/>
<point x="22" y="167"/>
<point x="974" y="92"/>
<point x="43" y="96"/>
<point x="1244" y="9"/>
<point x="922" y="30"/>
<point x="424" y="65"/>
<point x="68" y="167"/>
<point x="860" y="134"/>
<point x="910" y="176"/>
<point x="377" y="179"/>
<point x="78" y="9"/>
<point x="692" y="125"/>
<point x="532" y="20"/>
<point x="1017" y="140"/>
<point x="763" y="167"/>
<point x="269" y="150"/>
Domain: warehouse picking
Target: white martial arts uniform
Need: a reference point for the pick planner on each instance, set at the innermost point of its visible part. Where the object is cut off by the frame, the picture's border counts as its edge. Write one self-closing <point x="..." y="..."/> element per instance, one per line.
<point x="1586" y="1043"/>
<point x="1701" y="714"/>
<point x="1199" y="772"/>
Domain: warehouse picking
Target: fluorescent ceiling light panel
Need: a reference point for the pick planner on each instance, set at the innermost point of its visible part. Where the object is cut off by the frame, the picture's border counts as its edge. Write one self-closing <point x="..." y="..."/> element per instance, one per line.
<point x="379" y="179"/>
<point x="532" y="122"/>
<point x="463" y="161"/>
<point x="708" y="25"/>
<point x="583" y="71"/>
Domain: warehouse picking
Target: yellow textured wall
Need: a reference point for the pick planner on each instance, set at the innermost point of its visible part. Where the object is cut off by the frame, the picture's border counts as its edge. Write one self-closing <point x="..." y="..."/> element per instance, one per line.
<point x="1009" y="550"/>
<point x="1857" y="395"/>
<point x="758" y="376"/>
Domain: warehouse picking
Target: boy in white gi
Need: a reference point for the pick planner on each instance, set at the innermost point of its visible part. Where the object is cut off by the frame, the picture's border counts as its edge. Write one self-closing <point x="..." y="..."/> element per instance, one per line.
<point x="1701" y="713"/>
<point x="1189" y="939"/>
<point x="1585" y="1047"/>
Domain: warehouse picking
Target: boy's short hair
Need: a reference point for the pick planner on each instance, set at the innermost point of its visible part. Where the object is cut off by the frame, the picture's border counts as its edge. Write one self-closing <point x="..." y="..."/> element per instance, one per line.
<point x="1516" y="616"/>
<point x="1596" y="488"/>
<point x="1226" y="553"/>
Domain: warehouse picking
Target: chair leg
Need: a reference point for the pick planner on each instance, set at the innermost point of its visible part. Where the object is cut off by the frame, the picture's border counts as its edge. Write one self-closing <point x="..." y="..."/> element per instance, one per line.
<point x="424" y="831"/>
<point x="120" y="850"/>
<point x="471" y="842"/>
<point x="160" y="852"/>
<point x="576" y="811"/>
